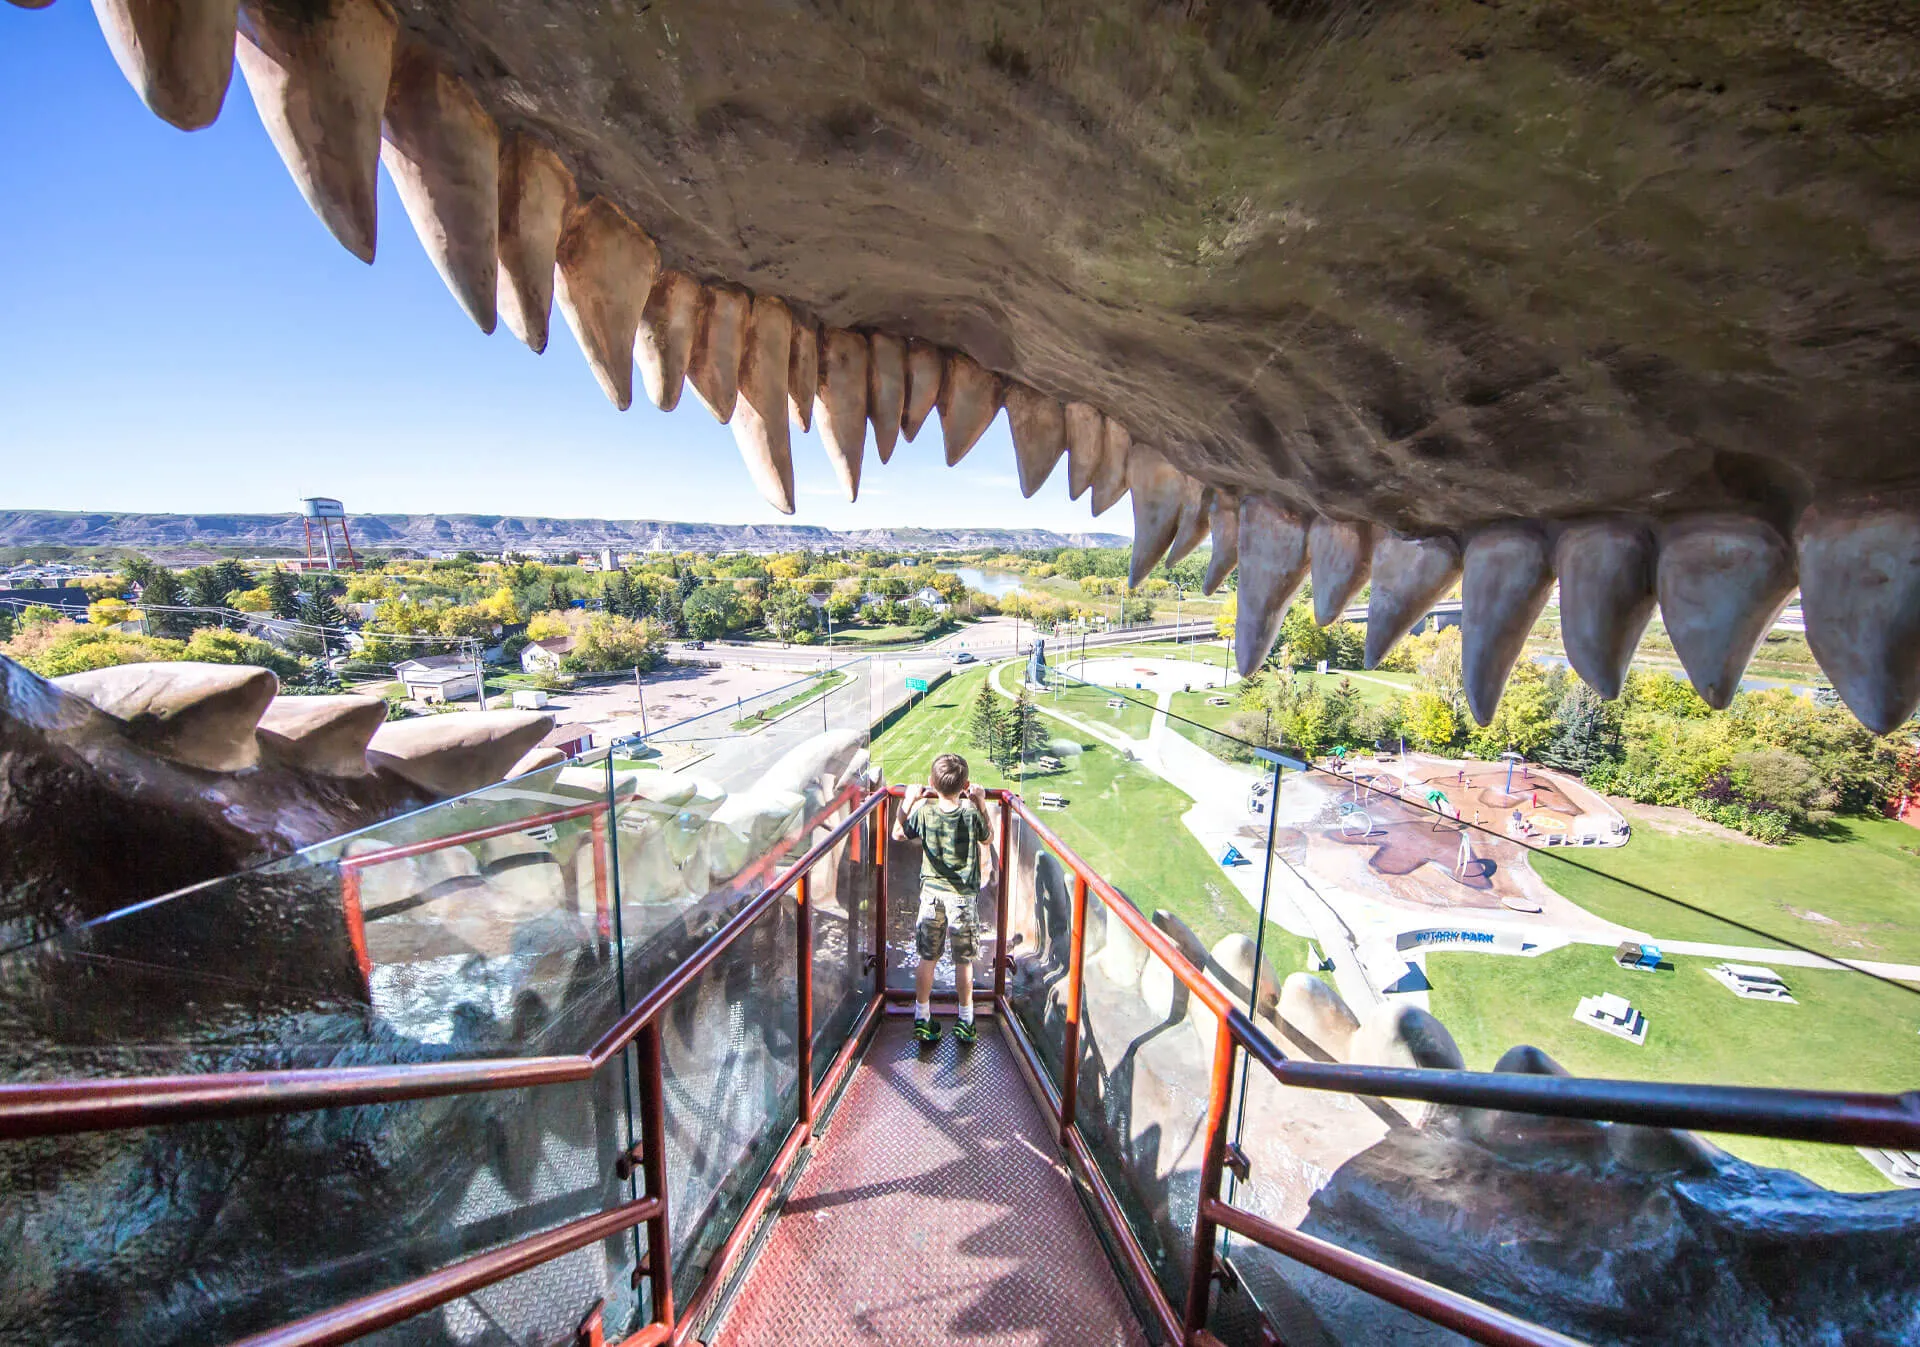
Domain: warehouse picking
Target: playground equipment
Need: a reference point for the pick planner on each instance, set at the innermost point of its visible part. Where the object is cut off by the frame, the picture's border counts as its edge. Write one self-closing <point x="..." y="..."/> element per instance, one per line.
<point x="1355" y="821"/>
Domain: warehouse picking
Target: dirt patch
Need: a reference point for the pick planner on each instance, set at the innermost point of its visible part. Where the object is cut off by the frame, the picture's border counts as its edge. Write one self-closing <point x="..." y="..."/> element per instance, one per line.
<point x="1676" y="822"/>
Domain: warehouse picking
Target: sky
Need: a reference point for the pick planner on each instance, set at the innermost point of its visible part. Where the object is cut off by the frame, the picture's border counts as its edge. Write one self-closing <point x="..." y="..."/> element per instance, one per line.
<point x="179" y="333"/>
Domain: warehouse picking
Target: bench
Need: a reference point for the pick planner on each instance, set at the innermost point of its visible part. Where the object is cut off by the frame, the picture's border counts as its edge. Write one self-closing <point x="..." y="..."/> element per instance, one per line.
<point x="1051" y="800"/>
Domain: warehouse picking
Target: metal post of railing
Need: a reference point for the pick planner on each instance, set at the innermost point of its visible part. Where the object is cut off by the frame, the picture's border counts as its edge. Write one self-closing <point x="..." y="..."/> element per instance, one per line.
<point x="803" y="945"/>
<point x="879" y="821"/>
<point x="1000" y="919"/>
<point x="1212" y="1162"/>
<point x="653" y="1163"/>
<point x="1076" y="978"/>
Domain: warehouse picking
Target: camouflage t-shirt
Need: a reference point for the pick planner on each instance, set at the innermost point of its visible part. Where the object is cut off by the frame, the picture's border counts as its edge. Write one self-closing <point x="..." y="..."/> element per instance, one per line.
<point x="950" y="844"/>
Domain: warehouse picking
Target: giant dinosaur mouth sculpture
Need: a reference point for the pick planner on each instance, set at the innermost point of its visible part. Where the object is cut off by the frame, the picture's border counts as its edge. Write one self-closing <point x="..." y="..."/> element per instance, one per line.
<point x="1481" y="294"/>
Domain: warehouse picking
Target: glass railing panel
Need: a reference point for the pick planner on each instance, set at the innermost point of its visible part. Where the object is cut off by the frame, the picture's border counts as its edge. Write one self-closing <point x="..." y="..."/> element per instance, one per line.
<point x="474" y="928"/>
<point x="1039" y="939"/>
<point x="842" y="890"/>
<point x="205" y="1232"/>
<point x="732" y="1086"/>
<point x="541" y="1306"/>
<point x="1146" y="1060"/>
<point x="904" y="908"/>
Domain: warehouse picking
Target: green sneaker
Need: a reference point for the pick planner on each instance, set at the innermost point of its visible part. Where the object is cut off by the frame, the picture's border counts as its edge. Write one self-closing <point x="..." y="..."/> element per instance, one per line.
<point x="927" y="1031"/>
<point x="964" y="1032"/>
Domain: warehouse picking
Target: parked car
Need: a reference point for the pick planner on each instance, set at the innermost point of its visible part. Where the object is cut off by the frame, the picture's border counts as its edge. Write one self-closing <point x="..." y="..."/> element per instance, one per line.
<point x="696" y="645"/>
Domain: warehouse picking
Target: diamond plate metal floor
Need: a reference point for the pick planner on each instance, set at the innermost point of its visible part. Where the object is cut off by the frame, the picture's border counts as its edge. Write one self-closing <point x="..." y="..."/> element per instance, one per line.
<point x="934" y="1210"/>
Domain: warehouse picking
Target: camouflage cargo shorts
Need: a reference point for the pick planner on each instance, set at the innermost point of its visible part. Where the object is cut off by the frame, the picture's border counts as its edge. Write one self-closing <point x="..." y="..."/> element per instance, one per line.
<point x="942" y="912"/>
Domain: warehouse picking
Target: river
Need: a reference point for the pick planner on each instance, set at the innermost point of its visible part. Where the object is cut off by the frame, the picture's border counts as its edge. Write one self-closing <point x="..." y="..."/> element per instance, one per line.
<point x="994" y="583"/>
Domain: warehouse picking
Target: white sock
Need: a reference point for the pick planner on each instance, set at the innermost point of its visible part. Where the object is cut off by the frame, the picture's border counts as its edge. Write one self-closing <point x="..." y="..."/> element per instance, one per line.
<point x="966" y="1014"/>
<point x="923" y="1010"/>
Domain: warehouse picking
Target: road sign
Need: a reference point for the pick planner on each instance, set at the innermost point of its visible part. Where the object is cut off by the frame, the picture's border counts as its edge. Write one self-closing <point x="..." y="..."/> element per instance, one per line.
<point x="916" y="685"/>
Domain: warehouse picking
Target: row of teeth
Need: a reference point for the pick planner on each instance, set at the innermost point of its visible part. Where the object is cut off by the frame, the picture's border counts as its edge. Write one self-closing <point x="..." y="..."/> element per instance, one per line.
<point x="339" y="90"/>
<point x="227" y="718"/>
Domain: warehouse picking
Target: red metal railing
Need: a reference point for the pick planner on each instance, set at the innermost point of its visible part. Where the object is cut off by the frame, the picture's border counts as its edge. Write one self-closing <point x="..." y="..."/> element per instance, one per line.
<point x="1891" y="1121"/>
<point x="77" y="1106"/>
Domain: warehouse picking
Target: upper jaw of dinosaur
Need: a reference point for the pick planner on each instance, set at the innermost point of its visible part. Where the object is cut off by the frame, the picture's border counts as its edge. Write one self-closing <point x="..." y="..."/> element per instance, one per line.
<point x="1486" y="295"/>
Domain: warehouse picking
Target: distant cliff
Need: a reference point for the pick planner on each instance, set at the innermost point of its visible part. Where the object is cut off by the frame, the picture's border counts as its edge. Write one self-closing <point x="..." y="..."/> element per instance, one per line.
<point x="491" y="533"/>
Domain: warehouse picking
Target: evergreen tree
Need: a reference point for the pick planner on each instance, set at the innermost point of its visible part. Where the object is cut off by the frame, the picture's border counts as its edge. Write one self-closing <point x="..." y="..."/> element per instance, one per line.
<point x="667" y="612"/>
<point x="282" y="594"/>
<point x="618" y="592"/>
<point x="989" y="726"/>
<point x="230" y="575"/>
<point x="1584" y="735"/>
<point x="321" y="611"/>
<point x="557" y="597"/>
<point x="164" y="590"/>
<point x="1027" y="734"/>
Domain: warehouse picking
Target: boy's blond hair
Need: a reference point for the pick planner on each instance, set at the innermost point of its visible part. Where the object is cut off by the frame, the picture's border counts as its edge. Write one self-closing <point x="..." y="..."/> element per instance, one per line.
<point x="950" y="774"/>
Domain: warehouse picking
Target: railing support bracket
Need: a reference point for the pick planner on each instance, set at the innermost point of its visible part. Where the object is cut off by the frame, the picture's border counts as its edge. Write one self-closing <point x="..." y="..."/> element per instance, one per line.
<point x="1236" y="1162"/>
<point x="630" y="1160"/>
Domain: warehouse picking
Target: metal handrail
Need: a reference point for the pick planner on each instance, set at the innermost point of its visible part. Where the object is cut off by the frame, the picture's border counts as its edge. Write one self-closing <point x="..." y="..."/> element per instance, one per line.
<point x="1810" y="1115"/>
<point x="53" y="1108"/>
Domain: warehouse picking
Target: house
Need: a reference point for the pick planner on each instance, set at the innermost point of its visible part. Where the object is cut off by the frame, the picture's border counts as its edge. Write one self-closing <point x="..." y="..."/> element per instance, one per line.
<point x="544" y="656"/>
<point x="869" y="602"/>
<point x="931" y="598"/>
<point x="426" y="663"/>
<point x="441" y="685"/>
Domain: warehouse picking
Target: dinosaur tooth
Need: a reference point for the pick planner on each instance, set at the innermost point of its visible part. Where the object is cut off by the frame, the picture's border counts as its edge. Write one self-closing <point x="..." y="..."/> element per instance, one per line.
<point x="1085" y="444"/>
<point x="328" y="735"/>
<point x="442" y="151"/>
<point x="1606" y="569"/>
<point x="1110" y="478"/>
<point x="1224" y="523"/>
<point x="803" y="372"/>
<point x="1314" y="1011"/>
<point x="842" y="402"/>
<point x="663" y="342"/>
<point x="177" y="54"/>
<point x="535" y="193"/>
<point x="1723" y="578"/>
<point x="1860" y="592"/>
<point x="318" y="75"/>
<point x="718" y="346"/>
<point x="1507" y="577"/>
<point x="1196" y="518"/>
<point x="925" y="368"/>
<point x="454" y="754"/>
<point x="1273" y="562"/>
<point x="760" y="416"/>
<point x="1158" y="496"/>
<point x="969" y="399"/>
<point x="606" y="267"/>
<point x="1409" y="574"/>
<point x="1342" y="561"/>
<point x="200" y="715"/>
<point x="886" y="390"/>
<point x="537" y="758"/>
<point x="1039" y="432"/>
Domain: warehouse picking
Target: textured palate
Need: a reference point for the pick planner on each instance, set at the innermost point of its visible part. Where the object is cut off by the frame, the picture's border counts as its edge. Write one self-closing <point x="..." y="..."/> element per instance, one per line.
<point x="1307" y="326"/>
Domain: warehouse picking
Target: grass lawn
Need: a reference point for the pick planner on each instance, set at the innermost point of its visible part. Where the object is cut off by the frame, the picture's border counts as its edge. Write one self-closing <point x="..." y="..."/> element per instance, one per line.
<point x="883" y="636"/>
<point x="1849" y="1032"/>
<point x="1123" y="820"/>
<point x="832" y="678"/>
<point x="1198" y="652"/>
<point x="1089" y="703"/>
<point x="1854" y="893"/>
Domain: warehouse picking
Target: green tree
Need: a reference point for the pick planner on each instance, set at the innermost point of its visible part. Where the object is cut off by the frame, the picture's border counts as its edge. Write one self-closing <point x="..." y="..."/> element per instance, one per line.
<point x="322" y="612"/>
<point x="988" y="727"/>
<point x="1026" y="732"/>
<point x="1302" y="641"/>
<point x="1584" y="734"/>
<point x="667" y="611"/>
<point x="787" y="613"/>
<point x="282" y="593"/>
<point x="711" y="612"/>
<point x="164" y="590"/>
<point x="1430" y="721"/>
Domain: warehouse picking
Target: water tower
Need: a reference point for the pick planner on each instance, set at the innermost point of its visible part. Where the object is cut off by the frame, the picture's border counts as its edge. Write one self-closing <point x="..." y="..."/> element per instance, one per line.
<point x="326" y="511"/>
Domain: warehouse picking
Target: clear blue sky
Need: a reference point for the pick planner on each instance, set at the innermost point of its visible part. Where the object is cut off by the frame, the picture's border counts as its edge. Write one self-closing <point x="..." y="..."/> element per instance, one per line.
<point x="179" y="333"/>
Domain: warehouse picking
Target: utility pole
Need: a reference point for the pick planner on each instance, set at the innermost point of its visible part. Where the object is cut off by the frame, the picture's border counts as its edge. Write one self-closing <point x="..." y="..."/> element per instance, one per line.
<point x="641" y="693"/>
<point x="479" y="670"/>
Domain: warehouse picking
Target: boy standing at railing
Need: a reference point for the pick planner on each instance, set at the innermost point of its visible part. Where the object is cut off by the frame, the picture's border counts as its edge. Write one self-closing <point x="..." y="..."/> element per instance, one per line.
<point x="949" y="820"/>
